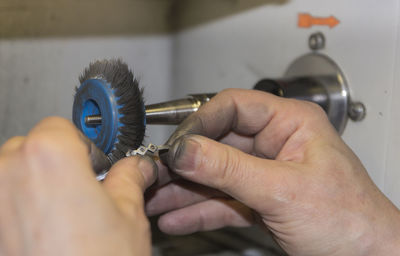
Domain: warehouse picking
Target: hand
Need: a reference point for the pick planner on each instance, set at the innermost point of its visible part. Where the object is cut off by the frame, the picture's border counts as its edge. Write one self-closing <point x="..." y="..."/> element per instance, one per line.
<point x="278" y="162"/>
<point x="51" y="203"/>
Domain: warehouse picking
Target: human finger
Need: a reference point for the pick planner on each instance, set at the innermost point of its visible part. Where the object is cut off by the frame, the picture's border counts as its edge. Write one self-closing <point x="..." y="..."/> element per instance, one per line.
<point x="205" y="216"/>
<point x="240" y="175"/>
<point x="99" y="160"/>
<point x="165" y="176"/>
<point x="126" y="182"/>
<point x="241" y="142"/>
<point x="55" y="144"/>
<point x="253" y="113"/>
<point x="178" y="194"/>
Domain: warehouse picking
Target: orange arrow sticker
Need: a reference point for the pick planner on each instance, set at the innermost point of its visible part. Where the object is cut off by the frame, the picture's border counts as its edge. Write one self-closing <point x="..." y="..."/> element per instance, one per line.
<point x="307" y="21"/>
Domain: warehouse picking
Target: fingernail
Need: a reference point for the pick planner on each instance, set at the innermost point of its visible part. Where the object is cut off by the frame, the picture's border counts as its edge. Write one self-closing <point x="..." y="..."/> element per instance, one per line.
<point x="149" y="169"/>
<point x="187" y="153"/>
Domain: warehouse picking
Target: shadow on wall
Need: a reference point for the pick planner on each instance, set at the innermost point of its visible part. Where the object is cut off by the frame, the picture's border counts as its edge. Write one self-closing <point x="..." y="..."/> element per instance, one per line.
<point x="74" y="18"/>
<point x="189" y="13"/>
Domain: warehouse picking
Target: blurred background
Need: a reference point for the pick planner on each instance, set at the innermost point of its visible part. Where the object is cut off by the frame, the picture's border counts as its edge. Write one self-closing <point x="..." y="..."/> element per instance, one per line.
<point x="179" y="47"/>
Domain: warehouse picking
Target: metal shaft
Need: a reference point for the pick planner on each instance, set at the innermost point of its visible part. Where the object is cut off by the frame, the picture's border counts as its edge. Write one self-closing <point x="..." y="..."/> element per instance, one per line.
<point x="174" y="112"/>
<point x="169" y="113"/>
<point x="93" y="120"/>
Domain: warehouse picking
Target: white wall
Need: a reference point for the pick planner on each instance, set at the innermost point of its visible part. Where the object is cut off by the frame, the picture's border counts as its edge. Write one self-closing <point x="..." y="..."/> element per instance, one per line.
<point x="38" y="77"/>
<point x="239" y="50"/>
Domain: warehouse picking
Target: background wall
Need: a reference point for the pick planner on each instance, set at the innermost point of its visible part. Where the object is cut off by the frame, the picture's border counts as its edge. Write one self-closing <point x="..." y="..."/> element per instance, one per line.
<point x="238" y="50"/>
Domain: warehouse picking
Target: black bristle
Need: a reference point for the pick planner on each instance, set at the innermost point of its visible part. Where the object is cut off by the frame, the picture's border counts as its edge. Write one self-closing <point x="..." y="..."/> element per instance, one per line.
<point x="122" y="80"/>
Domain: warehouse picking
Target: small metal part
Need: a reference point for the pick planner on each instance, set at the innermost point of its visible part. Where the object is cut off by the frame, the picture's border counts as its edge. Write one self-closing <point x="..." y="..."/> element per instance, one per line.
<point x="150" y="150"/>
<point x="101" y="176"/>
<point x="162" y="149"/>
<point x="316" y="41"/>
<point x="93" y="120"/>
<point x="357" y="111"/>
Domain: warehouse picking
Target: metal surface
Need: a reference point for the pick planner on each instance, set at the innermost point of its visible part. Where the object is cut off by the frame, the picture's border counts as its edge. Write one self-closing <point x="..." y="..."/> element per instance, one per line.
<point x="93" y="120"/>
<point x="316" y="41"/>
<point x="174" y="112"/>
<point x="326" y="72"/>
<point x="150" y="150"/>
<point x="357" y="111"/>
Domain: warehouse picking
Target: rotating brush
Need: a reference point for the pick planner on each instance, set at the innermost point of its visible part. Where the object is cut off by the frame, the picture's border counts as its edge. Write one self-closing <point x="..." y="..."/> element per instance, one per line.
<point x="109" y="108"/>
<point x="109" y="91"/>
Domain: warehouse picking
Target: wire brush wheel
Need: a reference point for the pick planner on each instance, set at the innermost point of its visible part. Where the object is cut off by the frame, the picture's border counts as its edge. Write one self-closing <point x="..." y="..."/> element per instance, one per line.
<point x="108" y="89"/>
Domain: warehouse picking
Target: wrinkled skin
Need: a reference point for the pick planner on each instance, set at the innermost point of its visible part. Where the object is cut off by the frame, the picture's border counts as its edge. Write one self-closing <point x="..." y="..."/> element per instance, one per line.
<point x="250" y="157"/>
<point x="52" y="204"/>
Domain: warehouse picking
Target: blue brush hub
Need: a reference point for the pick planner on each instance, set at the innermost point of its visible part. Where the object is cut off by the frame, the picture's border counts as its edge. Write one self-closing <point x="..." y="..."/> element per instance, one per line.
<point x="96" y="97"/>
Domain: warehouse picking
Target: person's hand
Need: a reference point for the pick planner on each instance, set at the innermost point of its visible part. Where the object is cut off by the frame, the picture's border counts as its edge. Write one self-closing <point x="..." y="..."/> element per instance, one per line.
<point x="51" y="203"/>
<point x="278" y="162"/>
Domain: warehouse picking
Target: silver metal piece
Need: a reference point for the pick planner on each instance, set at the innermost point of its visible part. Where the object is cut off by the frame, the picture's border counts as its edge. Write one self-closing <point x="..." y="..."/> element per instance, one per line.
<point x="150" y="150"/>
<point x="93" y="120"/>
<point x="316" y="41"/>
<point x="357" y="111"/>
<point x="101" y="176"/>
<point x="174" y="112"/>
<point x="327" y="73"/>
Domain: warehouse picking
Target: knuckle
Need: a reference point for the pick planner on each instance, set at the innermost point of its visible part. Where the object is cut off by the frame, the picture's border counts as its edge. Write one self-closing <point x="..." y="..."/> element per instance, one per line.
<point x="229" y="91"/>
<point x="314" y="109"/>
<point x="44" y="139"/>
<point x="38" y="146"/>
<point x="309" y="114"/>
<point x="128" y="163"/>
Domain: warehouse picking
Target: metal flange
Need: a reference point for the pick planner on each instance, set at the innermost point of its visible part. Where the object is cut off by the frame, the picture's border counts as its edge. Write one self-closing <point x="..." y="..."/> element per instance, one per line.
<point x="322" y="69"/>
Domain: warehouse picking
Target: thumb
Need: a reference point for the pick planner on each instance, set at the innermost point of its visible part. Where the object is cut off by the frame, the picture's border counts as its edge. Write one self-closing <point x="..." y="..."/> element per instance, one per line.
<point x="126" y="182"/>
<point x="246" y="178"/>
